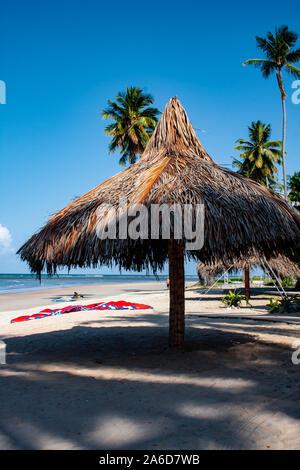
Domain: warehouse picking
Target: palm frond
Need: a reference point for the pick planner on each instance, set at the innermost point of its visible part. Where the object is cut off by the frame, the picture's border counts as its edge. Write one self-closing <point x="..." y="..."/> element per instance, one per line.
<point x="294" y="71"/>
<point x="266" y="45"/>
<point x="293" y="56"/>
<point x="273" y="143"/>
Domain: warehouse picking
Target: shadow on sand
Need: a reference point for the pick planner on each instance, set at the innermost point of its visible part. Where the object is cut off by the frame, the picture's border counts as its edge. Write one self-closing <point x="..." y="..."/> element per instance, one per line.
<point x="121" y="387"/>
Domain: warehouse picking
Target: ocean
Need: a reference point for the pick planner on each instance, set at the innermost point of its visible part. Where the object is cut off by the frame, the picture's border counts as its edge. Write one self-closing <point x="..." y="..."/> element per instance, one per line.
<point x="26" y="282"/>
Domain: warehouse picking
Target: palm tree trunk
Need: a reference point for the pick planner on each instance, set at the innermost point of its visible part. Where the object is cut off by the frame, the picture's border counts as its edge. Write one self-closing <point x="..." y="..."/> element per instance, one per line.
<point x="176" y="277"/>
<point x="283" y="97"/>
<point x="283" y="147"/>
<point x="247" y="281"/>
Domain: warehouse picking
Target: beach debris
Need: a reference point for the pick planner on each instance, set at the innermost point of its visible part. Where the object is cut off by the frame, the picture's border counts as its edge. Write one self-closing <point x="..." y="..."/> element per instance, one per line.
<point x="77" y="296"/>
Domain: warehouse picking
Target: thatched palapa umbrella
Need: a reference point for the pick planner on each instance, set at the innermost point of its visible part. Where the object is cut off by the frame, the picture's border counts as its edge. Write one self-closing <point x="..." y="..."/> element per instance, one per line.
<point x="280" y="265"/>
<point x="240" y="215"/>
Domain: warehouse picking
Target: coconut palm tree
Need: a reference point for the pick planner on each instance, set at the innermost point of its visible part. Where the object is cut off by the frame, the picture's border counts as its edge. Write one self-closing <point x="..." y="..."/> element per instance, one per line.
<point x="133" y="123"/>
<point x="280" y="55"/>
<point x="259" y="155"/>
<point x="257" y="161"/>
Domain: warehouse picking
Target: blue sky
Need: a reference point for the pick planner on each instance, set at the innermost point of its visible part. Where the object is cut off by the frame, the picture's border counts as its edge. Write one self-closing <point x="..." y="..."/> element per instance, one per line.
<point x="61" y="60"/>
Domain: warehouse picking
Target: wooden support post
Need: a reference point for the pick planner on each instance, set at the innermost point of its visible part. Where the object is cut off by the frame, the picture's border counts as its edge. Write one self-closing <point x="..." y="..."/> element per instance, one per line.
<point x="247" y="281"/>
<point x="176" y="277"/>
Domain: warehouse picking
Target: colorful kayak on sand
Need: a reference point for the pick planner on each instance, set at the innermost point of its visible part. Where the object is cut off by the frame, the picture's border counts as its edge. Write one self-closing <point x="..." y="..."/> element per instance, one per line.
<point x="118" y="305"/>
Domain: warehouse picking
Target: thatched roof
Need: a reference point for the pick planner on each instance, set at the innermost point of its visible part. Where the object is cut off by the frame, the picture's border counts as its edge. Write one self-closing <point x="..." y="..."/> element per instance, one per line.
<point x="240" y="215"/>
<point x="281" y="265"/>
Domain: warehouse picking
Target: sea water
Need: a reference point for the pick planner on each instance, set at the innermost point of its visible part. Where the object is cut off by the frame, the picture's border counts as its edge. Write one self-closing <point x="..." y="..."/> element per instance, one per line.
<point x="26" y="282"/>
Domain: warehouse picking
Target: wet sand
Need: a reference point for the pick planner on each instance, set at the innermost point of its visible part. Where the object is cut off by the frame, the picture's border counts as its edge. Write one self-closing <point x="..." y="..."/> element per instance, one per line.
<point x="26" y="301"/>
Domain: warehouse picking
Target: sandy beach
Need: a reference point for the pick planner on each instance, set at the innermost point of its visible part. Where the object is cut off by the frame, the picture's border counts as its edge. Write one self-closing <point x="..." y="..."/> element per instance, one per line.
<point x="32" y="300"/>
<point x="107" y="380"/>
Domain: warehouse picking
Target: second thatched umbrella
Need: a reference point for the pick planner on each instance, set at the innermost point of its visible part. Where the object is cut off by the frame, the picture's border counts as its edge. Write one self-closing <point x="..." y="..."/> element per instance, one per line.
<point x="280" y="265"/>
<point x="240" y="215"/>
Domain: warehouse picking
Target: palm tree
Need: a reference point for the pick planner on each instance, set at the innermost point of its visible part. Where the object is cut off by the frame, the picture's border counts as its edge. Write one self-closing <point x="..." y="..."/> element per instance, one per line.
<point x="259" y="155"/>
<point x="257" y="161"/>
<point x="133" y="123"/>
<point x="279" y="55"/>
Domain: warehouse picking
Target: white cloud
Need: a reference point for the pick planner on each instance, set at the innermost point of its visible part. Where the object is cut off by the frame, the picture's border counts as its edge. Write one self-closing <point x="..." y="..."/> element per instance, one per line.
<point x="5" y="241"/>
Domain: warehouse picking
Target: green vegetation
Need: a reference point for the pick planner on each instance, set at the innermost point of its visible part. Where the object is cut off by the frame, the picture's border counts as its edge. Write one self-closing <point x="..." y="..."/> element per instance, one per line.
<point x="259" y="155"/>
<point x="133" y="123"/>
<point x="294" y="185"/>
<point x="231" y="280"/>
<point x="287" y="282"/>
<point x="234" y="299"/>
<point x="279" y="56"/>
<point x="284" y="304"/>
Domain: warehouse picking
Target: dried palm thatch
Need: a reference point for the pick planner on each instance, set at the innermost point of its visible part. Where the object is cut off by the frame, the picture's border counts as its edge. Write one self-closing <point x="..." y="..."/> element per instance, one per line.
<point x="281" y="265"/>
<point x="240" y="215"/>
